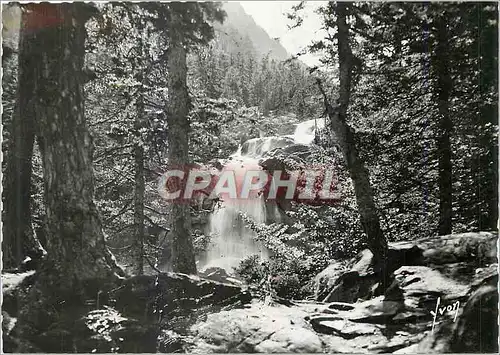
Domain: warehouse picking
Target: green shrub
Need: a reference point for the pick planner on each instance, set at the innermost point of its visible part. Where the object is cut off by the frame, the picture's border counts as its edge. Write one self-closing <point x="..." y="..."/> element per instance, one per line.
<point x="251" y="270"/>
<point x="290" y="279"/>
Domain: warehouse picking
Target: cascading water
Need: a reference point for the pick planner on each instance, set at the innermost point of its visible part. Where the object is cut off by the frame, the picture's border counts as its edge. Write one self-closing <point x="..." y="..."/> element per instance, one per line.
<point x="305" y="132"/>
<point x="232" y="240"/>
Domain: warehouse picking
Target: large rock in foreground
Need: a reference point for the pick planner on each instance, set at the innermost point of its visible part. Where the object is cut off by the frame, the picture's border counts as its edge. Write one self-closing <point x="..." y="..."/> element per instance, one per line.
<point x="457" y="274"/>
<point x="142" y="314"/>
<point x="259" y="328"/>
<point x="178" y="313"/>
<point x="476" y="327"/>
<point x="325" y="280"/>
<point x="456" y="256"/>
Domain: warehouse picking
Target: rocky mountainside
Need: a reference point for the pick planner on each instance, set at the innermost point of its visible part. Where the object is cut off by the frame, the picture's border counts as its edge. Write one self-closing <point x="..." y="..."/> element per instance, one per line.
<point x="241" y="34"/>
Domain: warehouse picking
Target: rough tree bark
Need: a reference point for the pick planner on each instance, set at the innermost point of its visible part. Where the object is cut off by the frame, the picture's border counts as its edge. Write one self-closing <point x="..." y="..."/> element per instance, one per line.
<point x="364" y="195"/>
<point x="55" y="35"/>
<point x="487" y="173"/>
<point x="182" y="251"/>
<point x="445" y="127"/>
<point x="78" y="266"/>
<point x="19" y="239"/>
<point x="139" y="191"/>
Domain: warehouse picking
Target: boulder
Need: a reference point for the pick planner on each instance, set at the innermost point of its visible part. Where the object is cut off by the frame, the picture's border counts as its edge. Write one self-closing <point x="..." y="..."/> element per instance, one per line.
<point x="351" y="286"/>
<point x="456" y="256"/>
<point x="374" y="311"/>
<point x="12" y="284"/>
<point x="127" y="317"/>
<point x="258" y="328"/>
<point x="220" y="275"/>
<point x="290" y="157"/>
<point x="359" y="282"/>
<point x="420" y="287"/>
<point x="324" y="281"/>
<point x="291" y="340"/>
<point x="476" y="328"/>
<point x="416" y="281"/>
<point x="479" y="248"/>
<point x="345" y="328"/>
<point x="364" y="263"/>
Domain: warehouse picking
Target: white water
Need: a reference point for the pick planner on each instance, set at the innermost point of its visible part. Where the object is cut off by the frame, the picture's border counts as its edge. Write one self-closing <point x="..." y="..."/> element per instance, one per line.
<point x="305" y="131"/>
<point x="232" y="240"/>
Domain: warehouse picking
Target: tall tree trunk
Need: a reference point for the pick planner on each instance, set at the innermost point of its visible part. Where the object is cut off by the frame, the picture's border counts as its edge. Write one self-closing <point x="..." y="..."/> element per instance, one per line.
<point x="139" y="191"/>
<point x="445" y="126"/>
<point x="78" y="266"/>
<point x="182" y="251"/>
<point x="345" y="136"/>
<point x="19" y="239"/>
<point x="487" y="174"/>
<point x="55" y="36"/>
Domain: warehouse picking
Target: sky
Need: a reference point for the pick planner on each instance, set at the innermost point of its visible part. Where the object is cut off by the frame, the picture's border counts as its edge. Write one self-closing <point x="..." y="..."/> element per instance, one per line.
<point x="270" y="16"/>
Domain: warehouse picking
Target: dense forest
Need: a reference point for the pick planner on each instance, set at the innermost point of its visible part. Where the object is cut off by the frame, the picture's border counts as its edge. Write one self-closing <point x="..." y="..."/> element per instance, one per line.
<point x="99" y="100"/>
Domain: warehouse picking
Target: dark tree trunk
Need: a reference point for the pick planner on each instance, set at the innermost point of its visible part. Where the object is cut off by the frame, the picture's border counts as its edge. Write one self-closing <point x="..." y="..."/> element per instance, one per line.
<point x="487" y="174"/>
<point x="345" y="136"/>
<point x="19" y="239"/>
<point x="78" y="267"/>
<point x="55" y="35"/>
<point x="487" y="181"/>
<point x="445" y="126"/>
<point x="139" y="192"/>
<point x="182" y="251"/>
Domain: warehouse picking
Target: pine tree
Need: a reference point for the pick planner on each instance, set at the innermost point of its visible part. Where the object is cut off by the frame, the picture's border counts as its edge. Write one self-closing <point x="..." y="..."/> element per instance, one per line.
<point x="345" y="135"/>
<point x="19" y="239"/>
<point x="76" y="241"/>
<point x="185" y="25"/>
<point x="427" y="82"/>
<point x="54" y="36"/>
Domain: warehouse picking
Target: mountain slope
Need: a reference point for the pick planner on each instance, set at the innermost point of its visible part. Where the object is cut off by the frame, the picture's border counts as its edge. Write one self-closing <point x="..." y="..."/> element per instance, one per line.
<point x="240" y="33"/>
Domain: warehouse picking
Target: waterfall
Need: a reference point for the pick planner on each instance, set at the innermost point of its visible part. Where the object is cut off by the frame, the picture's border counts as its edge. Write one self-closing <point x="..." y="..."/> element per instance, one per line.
<point x="305" y="131"/>
<point x="232" y="241"/>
